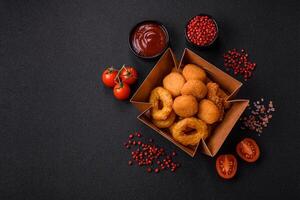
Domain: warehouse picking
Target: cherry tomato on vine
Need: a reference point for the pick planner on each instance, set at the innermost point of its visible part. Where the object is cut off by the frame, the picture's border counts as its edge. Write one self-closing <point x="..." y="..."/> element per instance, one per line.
<point x="108" y="77"/>
<point x="121" y="91"/>
<point x="128" y="75"/>
<point x="248" y="150"/>
<point x="226" y="166"/>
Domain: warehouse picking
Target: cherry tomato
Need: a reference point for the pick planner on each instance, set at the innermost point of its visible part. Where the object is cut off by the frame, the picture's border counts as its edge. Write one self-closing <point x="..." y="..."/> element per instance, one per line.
<point x="121" y="91"/>
<point x="226" y="166"/>
<point x="128" y="75"/>
<point x="108" y="77"/>
<point x="248" y="150"/>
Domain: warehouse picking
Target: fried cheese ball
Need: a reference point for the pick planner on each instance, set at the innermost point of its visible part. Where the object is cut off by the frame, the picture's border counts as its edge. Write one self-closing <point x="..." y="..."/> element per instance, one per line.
<point x="179" y="70"/>
<point x="179" y="129"/>
<point x="185" y="106"/>
<point x="194" y="87"/>
<point x="173" y="82"/>
<point x="193" y="72"/>
<point x="165" y="123"/>
<point x="162" y="95"/>
<point x="208" y="111"/>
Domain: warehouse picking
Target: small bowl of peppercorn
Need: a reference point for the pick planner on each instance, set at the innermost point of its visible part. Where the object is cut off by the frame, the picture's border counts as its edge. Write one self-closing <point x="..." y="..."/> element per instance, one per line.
<point x="201" y="31"/>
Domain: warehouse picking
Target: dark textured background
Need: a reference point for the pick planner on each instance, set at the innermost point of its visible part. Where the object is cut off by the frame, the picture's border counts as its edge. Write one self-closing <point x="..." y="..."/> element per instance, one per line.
<point x="62" y="131"/>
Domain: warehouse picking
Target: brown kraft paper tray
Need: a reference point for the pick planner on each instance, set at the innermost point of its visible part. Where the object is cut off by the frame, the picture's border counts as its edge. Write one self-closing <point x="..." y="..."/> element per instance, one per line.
<point x="231" y="86"/>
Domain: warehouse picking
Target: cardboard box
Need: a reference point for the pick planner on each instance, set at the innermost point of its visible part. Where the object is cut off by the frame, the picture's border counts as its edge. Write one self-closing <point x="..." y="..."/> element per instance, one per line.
<point x="231" y="86"/>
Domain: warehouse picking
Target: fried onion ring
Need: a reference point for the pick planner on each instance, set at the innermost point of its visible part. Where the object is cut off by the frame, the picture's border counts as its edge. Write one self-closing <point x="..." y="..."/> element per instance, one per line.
<point x="165" y="123"/>
<point x="179" y="129"/>
<point x="162" y="95"/>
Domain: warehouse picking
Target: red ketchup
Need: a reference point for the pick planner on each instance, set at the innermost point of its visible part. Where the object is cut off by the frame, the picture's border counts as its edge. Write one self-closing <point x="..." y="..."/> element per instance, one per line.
<point x="149" y="39"/>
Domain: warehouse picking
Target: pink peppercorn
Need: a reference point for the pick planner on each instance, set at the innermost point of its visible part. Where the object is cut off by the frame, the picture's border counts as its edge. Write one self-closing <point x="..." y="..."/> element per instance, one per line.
<point x="150" y="155"/>
<point x="201" y="30"/>
<point x="239" y="62"/>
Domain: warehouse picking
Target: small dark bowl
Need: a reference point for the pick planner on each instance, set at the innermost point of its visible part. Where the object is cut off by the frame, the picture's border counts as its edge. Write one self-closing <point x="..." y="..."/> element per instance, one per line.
<point x="143" y="22"/>
<point x="199" y="46"/>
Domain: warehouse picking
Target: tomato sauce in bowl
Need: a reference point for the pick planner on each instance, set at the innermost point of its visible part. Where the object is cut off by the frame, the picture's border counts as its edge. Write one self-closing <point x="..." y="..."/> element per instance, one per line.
<point x="148" y="39"/>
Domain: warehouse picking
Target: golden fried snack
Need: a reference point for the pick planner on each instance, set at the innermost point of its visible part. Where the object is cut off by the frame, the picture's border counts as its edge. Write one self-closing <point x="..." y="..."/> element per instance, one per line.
<point x="193" y="72"/>
<point x="185" y="105"/>
<point x="223" y="95"/>
<point x="208" y="111"/>
<point x="212" y="94"/>
<point x="194" y="87"/>
<point x="160" y="96"/>
<point x="189" y="131"/>
<point x="165" y="123"/>
<point x="173" y="82"/>
<point x="179" y="70"/>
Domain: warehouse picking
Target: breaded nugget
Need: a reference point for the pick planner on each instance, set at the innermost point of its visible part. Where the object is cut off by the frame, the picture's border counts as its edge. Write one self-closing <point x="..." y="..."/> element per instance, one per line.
<point x="173" y="82"/>
<point x="185" y="105"/>
<point x="193" y="72"/>
<point x="223" y="95"/>
<point x="194" y="87"/>
<point x="208" y="111"/>
<point x="212" y="94"/>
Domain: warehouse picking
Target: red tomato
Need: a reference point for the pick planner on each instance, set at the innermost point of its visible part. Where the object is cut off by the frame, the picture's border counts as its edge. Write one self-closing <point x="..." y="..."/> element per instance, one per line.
<point x="121" y="91"/>
<point x="108" y="77"/>
<point x="129" y="75"/>
<point x="226" y="166"/>
<point x="248" y="150"/>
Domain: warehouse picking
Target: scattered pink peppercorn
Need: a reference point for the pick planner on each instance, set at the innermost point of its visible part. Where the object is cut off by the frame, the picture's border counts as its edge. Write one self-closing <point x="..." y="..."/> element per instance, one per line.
<point x="201" y="30"/>
<point x="239" y="62"/>
<point x="150" y="155"/>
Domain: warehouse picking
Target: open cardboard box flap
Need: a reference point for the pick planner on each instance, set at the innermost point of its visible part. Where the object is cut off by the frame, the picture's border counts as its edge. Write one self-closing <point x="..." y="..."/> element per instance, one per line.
<point x="231" y="86"/>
